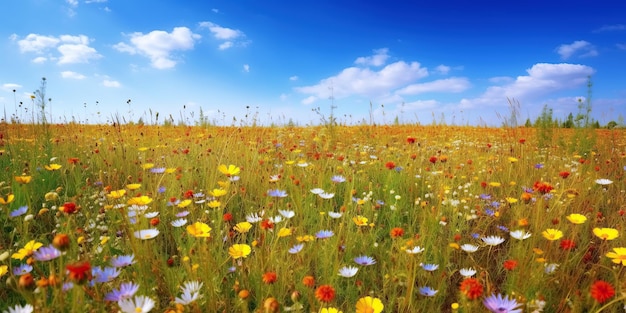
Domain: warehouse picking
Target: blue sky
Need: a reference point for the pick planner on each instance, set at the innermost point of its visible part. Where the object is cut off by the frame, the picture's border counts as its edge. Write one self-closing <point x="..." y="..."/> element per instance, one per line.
<point x="277" y="61"/>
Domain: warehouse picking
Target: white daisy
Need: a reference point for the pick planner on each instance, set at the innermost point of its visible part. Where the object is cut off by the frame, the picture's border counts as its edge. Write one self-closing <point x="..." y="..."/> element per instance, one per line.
<point x="415" y="250"/>
<point x="317" y="191"/>
<point x="179" y="222"/>
<point x="335" y="214"/>
<point x="520" y="234"/>
<point x="467" y="272"/>
<point x="287" y="213"/>
<point x="348" y="271"/>
<point x="469" y="248"/>
<point x="326" y="195"/>
<point x="146" y="233"/>
<point x="492" y="240"/>
<point x="138" y="304"/>
<point x="603" y="181"/>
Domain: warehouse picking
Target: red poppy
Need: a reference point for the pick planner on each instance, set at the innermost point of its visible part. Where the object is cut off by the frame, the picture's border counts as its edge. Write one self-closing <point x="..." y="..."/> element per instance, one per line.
<point x="69" y="208"/>
<point x="542" y="187"/>
<point x="567" y="244"/>
<point x="267" y="224"/>
<point x="227" y="217"/>
<point x="410" y="140"/>
<point x="510" y="264"/>
<point x="325" y="293"/>
<point x="602" y="291"/>
<point x="471" y="288"/>
<point x="564" y="174"/>
<point x="390" y="165"/>
<point x="432" y="159"/>
<point x="79" y="272"/>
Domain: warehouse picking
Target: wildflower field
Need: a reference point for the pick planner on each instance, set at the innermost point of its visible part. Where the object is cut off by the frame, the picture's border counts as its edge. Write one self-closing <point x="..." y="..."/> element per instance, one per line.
<point x="406" y="218"/>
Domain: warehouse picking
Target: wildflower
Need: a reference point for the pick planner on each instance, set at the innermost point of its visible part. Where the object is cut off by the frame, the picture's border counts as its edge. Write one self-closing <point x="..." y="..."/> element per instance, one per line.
<point x="104" y="275"/>
<point x="46" y="253"/>
<point x="23" y="179"/>
<point x="492" y="240"/>
<point x="520" y="234"/>
<point x="28" y="250"/>
<point x="229" y="171"/>
<point x="126" y="291"/>
<point x="338" y="179"/>
<point x="287" y="213"/>
<point x="618" y="256"/>
<point x="191" y="293"/>
<point x="27" y="308"/>
<point x="471" y="288"/>
<point x="390" y="165"/>
<point x="69" y="208"/>
<point x="267" y="224"/>
<point x="146" y="234"/>
<point x="123" y="260"/>
<point x="218" y="192"/>
<point x="348" y="271"/>
<point x="552" y="234"/>
<point x="141" y="200"/>
<point x="469" y="248"/>
<point x="237" y="251"/>
<point x="20" y="211"/>
<point x="199" y="229"/>
<point x="296" y="248"/>
<point x="308" y="281"/>
<point x="61" y="241"/>
<point x="542" y="187"/>
<point x="550" y="268"/>
<point x="564" y="174"/>
<point x="254" y="218"/>
<point x="496" y="303"/>
<point x="415" y="250"/>
<point x="567" y="244"/>
<point x="360" y="220"/>
<point x="365" y="260"/>
<point x="79" y="272"/>
<point x="269" y="277"/>
<point x="52" y="167"/>
<point x="3" y="270"/>
<point x="430" y="267"/>
<point x="277" y="193"/>
<point x="330" y="310"/>
<point x="467" y="272"/>
<point x="306" y="238"/>
<point x="603" y="181"/>
<point x="139" y="304"/>
<point x="179" y="222"/>
<point x="369" y="304"/>
<point x="576" y="218"/>
<point x="242" y="227"/>
<point x="324" y="234"/>
<point x="606" y="233"/>
<point x="326" y="195"/>
<point x="284" y="232"/>
<point x="509" y="265"/>
<point x="325" y="293"/>
<point x="8" y="199"/>
<point x="396" y="232"/>
<point x="427" y="291"/>
<point x="602" y="291"/>
<point x="22" y="269"/>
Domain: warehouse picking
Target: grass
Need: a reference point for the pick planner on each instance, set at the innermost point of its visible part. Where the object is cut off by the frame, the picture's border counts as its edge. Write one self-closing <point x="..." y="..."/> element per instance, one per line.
<point x="410" y="203"/>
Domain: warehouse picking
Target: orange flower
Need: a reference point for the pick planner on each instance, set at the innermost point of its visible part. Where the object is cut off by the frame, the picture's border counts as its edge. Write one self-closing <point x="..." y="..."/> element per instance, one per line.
<point x="396" y="232"/>
<point x="510" y="264"/>
<point x="471" y="288"/>
<point x="308" y="281"/>
<point x="269" y="277"/>
<point x="325" y="293"/>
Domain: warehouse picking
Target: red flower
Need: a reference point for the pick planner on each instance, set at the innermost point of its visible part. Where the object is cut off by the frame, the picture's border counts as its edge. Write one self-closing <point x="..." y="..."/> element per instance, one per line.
<point x="79" y="272"/>
<point x="522" y="141"/>
<point x="567" y="244"/>
<point x="396" y="232"/>
<point x="267" y="224"/>
<point x="432" y="159"/>
<point x="510" y="264"/>
<point x="227" y="217"/>
<point x="73" y="160"/>
<point x="69" y="208"/>
<point x="410" y="140"/>
<point x="602" y="291"/>
<point x="390" y="165"/>
<point x="269" y="277"/>
<point x="308" y="281"/>
<point x="188" y="194"/>
<point x="325" y="293"/>
<point x="471" y="288"/>
<point x="564" y="174"/>
<point x="542" y="187"/>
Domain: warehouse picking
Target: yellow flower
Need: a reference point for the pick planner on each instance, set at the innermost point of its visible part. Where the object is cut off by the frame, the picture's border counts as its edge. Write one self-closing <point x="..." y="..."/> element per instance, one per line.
<point x="619" y="256"/>
<point x="142" y="200"/>
<point x="23" y="179"/>
<point x="3" y="270"/>
<point x="52" y="167"/>
<point x="9" y="198"/>
<point x="494" y="184"/>
<point x="512" y="159"/>
<point x="511" y="200"/>
<point x="147" y="166"/>
<point x="360" y="220"/>
<point x="218" y="192"/>
<point x="242" y="227"/>
<point x="305" y="238"/>
<point x="552" y="234"/>
<point x="606" y="233"/>
<point x="231" y="170"/>
<point x="183" y="204"/>
<point x="28" y="250"/>
<point x="284" y="232"/>
<point x="199" y="229"/>
<point x="369" y="305"/>
<point x="116" y="194"/>
<point x="576" y="218"/>
<point x="330" y="310"/>
<point x="237" y="251"/>
<point x="51" y="196"/>
<point x="214" y="204"/>
<point x="133" y="186"/>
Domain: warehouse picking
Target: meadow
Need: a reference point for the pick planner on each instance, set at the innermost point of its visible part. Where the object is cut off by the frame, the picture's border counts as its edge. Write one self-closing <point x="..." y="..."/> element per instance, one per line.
<point x="405" y="218"/>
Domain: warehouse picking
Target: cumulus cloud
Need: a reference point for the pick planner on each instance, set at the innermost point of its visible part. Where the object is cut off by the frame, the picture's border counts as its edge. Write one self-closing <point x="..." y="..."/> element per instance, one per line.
<point x="542" y="79"/>
<point x="159" y="45"/>
<point x="378" y="59"/>
<point x="111" y="83"/>
<point x="72" y="75"/>
<point x="580" y="47"/>
<point x="72" y="49"/>
<point x="454" y="84"/>
<point x="308" y="100"/>
<point x="229" y="36"/>
<point x="442" y="69"/>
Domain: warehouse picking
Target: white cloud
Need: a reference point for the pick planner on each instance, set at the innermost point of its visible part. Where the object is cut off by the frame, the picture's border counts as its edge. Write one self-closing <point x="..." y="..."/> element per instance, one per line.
<point x="37" y="43"/>
<point x="10" y="87"/>
<point x="608" y="28"/>
<point x="378" y="59"/>
<point x="501" y="79"/>
<point x="225" y="45"/>
<point x="215" y="10"/>
<point x="72" y="75"/>
<point x="308" y="100"/>
<point x="246" y="68"/>
<point x="159" y="45"/>
<point x="77" y="53"/>
<point x="96" y="1"/>
<point x="39" y="60"/>
<point x="220" y="32"/>
<point x="581" y="47"/>
<point x="73" y="3"/>
<point x="542" y="79"/>
<point x="454" y="84"/>
<point x="293" y="78"/>
<point x="73" y="49"/>
<point x="442" y="69"/>
<point x="111" y="83"/>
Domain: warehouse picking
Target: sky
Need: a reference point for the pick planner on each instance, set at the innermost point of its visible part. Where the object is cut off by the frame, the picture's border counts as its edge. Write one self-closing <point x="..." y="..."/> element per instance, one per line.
<point x="275" y="62"/>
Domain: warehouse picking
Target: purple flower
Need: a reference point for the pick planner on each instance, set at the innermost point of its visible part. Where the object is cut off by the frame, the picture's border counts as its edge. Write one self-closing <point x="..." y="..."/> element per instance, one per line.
<point x="485" y="196"/>
<point x="365" y="260"/>
<point x="46" y="253"/>
<point x="20" y="211"/>
<point x="277" y="193"/>
<point x="123" y="260"/>
<point x="22" y="269"/>
<point x="127" y="290"/>
<point x="104" y="275"/>
<point x="338" y="179"/>
<point x="539" y="166"/>
<point x="323" y="234"/>
<point x="430" y="267"/>
<point x="427" y="291"/>
<point x="157" y="170"/>
<point x="498" y="304"/>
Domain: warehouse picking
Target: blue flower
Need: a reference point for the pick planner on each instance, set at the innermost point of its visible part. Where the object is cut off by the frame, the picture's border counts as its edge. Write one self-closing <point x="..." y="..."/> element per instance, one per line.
<point x="46" y="253"/>
<point x="427" y="291"/>
<point x="157" y="170"/>
<point x="539" y="166"/>
<point x="430" y="267"/>
<point x="104" y="275"/>
<point x="496" y="303"/>
<point x="338" y="179"/>
<point x="296" y="248"/>
<point x="485" y="196"/>
<point x="277" y="193"/>
<point x="323" y="234"/>
<point x="365" y="260"/>
<point x="22" y="269"/>
<point x="127" y="290"/>
<point x="123" y="260"/>
<point x="21" y="211"/>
